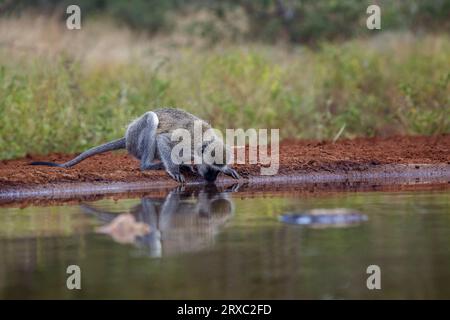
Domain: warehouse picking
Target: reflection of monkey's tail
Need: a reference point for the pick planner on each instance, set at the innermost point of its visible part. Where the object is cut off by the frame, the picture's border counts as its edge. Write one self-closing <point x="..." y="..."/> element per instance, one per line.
<point x="113" y="145"/>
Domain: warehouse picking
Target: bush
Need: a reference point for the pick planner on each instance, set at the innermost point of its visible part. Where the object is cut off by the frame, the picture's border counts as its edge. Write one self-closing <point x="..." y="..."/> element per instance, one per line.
<point x="297" y="21"/>
<point x="388" y="84"/>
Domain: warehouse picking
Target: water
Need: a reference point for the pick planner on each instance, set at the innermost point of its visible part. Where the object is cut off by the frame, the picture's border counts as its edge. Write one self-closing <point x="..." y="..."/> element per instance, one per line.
<point x="209" y="245"/>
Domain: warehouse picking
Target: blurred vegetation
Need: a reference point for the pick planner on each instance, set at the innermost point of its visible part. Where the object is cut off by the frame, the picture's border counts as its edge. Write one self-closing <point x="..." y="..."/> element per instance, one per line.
<point x="385" y="85"/>
<point x="66" y="90"/>
<point x="297" y="21"/>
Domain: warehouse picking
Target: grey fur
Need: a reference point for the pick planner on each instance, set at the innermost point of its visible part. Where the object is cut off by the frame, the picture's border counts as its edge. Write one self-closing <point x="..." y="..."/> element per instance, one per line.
<point x="148" y="138"/>
<point x="171" y="119"/>
<point x="109" y="146"/>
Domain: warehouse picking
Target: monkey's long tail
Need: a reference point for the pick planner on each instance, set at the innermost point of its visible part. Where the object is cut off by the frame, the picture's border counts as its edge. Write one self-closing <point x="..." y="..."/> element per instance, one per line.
<point x="113" y="145"/>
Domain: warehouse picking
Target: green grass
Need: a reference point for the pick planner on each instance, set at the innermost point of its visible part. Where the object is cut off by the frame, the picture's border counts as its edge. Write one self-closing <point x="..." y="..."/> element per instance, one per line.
<point x="386" y="84"/>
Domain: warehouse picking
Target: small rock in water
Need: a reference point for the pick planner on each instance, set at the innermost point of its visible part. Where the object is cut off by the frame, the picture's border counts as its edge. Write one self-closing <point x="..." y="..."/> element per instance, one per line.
<point x="324" y="217"/>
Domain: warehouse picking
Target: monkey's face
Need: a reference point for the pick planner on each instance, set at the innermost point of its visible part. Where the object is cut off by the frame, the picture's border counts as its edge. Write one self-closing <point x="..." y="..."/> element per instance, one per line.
<point x="208" y="172"/>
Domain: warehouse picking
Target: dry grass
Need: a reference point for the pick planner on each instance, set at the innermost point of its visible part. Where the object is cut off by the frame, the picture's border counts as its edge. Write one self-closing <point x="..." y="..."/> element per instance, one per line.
<point x="64" y="90"/>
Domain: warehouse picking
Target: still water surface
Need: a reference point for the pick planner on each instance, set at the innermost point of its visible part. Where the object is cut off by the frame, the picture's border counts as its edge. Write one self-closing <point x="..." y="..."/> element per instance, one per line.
<point x="205" y="244"/>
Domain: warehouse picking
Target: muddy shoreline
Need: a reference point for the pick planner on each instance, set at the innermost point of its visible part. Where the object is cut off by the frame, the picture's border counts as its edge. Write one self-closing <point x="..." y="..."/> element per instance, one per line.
<point x="357" y="163"/>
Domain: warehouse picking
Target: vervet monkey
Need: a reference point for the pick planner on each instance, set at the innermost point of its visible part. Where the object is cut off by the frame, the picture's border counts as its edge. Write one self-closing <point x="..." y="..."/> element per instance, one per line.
<point x="149" y="138"/>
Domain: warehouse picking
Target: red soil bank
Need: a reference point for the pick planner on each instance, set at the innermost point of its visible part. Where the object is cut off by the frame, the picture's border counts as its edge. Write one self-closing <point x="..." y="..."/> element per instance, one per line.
<point x="296" y="157"/>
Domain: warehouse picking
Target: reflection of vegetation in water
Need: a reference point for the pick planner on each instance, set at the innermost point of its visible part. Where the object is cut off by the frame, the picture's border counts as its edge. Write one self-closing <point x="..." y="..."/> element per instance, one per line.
<point x="407" y="235"/>
<point x="42" y="222"/>
<point x="255" y="256"/>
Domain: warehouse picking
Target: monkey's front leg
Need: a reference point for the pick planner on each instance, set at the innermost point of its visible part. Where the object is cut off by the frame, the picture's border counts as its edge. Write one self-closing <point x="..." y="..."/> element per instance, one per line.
<point x="165" y="150"/>
<point x="231" y="172"/>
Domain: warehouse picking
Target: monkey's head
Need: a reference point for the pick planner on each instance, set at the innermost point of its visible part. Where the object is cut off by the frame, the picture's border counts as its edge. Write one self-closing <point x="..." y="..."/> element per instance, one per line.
<point x="209" y="173"/>
<point x="215" y="155"/>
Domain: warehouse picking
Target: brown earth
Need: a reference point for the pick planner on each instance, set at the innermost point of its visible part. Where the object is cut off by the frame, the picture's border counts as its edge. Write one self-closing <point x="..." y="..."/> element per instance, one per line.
<point x="296" y="157"/>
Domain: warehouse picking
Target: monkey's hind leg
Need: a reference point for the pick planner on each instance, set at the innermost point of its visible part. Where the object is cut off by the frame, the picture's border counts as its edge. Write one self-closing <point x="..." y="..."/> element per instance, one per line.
<point x="165" y="149"/>
<point x="155" y="166"/>
<point x="147" y="142"/>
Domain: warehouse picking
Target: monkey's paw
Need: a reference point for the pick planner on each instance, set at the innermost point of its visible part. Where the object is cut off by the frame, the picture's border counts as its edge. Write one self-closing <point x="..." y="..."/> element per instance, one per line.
<point x="232" y="173"/>
<point x="177" y="177"/>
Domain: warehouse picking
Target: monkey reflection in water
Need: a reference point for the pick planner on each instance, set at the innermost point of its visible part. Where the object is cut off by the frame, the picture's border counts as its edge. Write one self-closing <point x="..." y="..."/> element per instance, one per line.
<point x="184" y="221"/>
